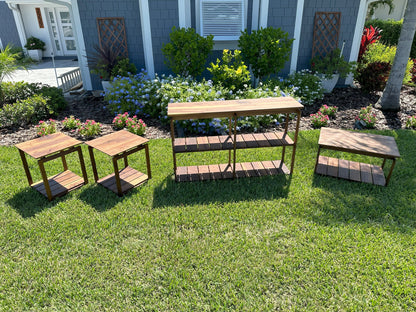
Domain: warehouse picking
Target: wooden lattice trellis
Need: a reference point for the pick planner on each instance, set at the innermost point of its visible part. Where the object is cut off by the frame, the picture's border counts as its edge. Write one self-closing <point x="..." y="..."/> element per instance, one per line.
<point x="325" y="32"/>
<point x="112" y="34"/>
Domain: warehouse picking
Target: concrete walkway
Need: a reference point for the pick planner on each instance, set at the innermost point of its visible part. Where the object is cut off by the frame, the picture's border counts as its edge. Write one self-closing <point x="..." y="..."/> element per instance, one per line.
<point x="44" y="72"/>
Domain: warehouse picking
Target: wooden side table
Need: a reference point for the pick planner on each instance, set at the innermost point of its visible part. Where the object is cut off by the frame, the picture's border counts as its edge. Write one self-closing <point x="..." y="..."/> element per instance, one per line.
<point x="119" y="145"/>
<point x="358" y="143"/>
<point x="48" y="148"/>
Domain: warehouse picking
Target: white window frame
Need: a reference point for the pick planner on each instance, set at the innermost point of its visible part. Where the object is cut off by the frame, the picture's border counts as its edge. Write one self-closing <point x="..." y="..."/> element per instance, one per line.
<point x="198" y="8"/>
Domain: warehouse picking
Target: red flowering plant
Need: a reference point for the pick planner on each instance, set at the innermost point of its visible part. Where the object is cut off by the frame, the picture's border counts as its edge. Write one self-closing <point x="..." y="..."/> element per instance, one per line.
<point x="370" y="35"/>
<point x="136" y="126"/>
<point x="328" y="110"/>
<point x="119" y="122"/>
<point x="71" y="123"/>
<point x="90" y="128"/>
<point x="46" y="127"/>
<point x="319" y="120"/>
<point x="366" y="118"/>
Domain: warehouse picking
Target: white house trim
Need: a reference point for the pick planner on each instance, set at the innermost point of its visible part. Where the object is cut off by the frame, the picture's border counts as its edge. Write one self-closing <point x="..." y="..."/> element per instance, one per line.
<point x="79" y="39"/>
<point x="255" y="15"/>
<point x="147" y="37"/>
<point x="184" y="8"/>
<point x="297" y="33"/>
<point x="358" y="32"/>
<point x="264" y="13"/>
<point x="19" y="23"/>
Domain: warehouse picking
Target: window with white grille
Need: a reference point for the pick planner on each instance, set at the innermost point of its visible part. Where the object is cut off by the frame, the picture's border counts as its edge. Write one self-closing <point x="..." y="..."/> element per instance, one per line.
<point x="223" y="19"/>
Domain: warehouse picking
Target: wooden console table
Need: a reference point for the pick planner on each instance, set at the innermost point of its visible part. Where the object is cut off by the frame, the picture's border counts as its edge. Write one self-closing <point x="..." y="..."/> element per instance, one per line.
<point x="119" y="145"/>
<point x="233" y="109"/>
<point x="358" y="143"/>
<point x="48" y="148"/>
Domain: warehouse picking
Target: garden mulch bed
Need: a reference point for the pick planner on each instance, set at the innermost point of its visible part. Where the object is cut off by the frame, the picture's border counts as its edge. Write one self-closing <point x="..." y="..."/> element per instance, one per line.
<point x="348" y="100"/>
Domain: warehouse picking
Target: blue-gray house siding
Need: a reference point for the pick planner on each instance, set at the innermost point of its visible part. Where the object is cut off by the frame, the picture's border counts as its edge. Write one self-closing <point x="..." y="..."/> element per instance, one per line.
<point x="349" y="12"/>
<point x="129" y="10"/>
<point x="8" y="30"/>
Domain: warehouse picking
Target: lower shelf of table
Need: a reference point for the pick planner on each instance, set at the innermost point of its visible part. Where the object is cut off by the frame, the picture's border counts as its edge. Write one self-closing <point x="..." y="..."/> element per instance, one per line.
<point x="129" y="178"/>
<point x="225" y="171"/>
<point x="350" y="170"/>
<point x="60" y="184"/>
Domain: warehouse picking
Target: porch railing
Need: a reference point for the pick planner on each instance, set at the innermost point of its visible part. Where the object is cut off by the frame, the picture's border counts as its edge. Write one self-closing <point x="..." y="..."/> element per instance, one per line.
<point x="70" y="79"/>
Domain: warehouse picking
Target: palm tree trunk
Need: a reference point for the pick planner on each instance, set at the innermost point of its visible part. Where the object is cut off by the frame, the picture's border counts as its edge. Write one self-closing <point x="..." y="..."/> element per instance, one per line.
<point x="390" y="100"/>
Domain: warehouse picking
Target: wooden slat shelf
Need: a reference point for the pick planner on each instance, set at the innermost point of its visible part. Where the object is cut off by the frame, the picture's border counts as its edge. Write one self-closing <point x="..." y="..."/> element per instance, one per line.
<point x="350" y="170"/>
<point x="60" y="184"/>
<point x="129" y="178"/>
<point x="233" y="109"/>
<point x="216" y="143"/>
<point x="225" y="171"/>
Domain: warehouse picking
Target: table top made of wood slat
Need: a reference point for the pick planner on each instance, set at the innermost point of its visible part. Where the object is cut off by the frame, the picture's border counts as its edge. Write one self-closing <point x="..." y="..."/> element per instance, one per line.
<point x="244" y="107"/>
<point x="117" y="142"/>
<point x="47" y="145"/>
<point x="360" y="143"/>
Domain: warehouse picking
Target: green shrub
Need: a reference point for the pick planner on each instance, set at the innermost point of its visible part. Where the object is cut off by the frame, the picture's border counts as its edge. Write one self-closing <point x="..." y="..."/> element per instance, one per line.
<point x="123" y="68"/>
<point x="34" y="43"/>
<point x="332" y="63"/>
<point x="187" y="52"/>
<point x="15" y="91"/>
<point x="303" y="84"/>
<point x="230" y="71"/>
<point x="391" y="33"/>
<point x="378" y="52"/>
<point x="373" y="77"/>
<point x="266" y="50"/>
<point x="24" y="112"/>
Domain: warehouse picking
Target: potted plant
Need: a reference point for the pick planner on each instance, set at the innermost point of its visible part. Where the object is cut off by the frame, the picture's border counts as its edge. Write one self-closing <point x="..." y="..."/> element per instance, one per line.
<point x="105" y="63"/>
<point x="34" y="47"/>
<point x="330" y="68"/>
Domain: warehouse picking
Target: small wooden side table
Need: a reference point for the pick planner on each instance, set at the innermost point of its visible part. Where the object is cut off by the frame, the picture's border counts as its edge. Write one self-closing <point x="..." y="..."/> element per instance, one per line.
<point x="374" y="145"/>
<point x="119" y="145"/>
<point x="48" y="148"/>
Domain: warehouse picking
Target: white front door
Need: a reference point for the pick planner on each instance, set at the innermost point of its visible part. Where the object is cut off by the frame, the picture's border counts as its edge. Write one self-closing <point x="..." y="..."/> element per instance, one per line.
<point x="62" y="32"/>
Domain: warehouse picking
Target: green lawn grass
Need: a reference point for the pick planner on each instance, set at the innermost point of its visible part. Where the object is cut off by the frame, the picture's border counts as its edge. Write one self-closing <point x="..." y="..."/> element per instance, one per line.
<point x="301" y="243"/>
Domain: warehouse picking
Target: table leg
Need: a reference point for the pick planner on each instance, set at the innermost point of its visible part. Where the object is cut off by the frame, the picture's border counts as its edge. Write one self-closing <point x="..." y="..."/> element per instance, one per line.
<point x="149" y="172"/>
<point x="64" y="164"/>
<point x="235" y="143"/>
<point x="26" y="167"/>
<point x="391" y="170"/>
<point x="94" y="167"/>
<point x="285" y="133"/>
<point x="295" y="141"/>
<point x="317" y="158"/>
<point x="81" y="161"/>
<point x="45" y="179"/>
<point x="172" y="135"/>
<point x="230" y="131"/>
<point x="384" y="163"/>
<point x="126" y="162"/>
<point x="117" y="177"/>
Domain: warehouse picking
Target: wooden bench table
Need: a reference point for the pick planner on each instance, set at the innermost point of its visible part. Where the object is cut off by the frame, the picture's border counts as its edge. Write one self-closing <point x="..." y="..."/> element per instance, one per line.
<point x="119" y="145"/>
<point x="233" y="109"/>
<point x="359" y="143"/>
<point x="47" y="148"/>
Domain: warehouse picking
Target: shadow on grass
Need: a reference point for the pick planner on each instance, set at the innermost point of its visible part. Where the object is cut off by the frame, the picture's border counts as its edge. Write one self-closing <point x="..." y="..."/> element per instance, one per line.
<point x="171" y="193"/>
<point x="30" y="202"/>
<point x="102" y="199"/>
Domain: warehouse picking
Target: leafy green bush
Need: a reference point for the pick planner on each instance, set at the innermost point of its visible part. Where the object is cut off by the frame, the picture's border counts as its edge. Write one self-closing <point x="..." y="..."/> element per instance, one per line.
<point x="266" y="50"/>
<point x="123" y="68"/>
<point x="303" y="84"/>
<point x="15" y="91"/>
<point x="230" y="71"/>
<point x="391" y="33"/>
<point x="187" y="52"/>
<point x="332" y="63"/>
<point x="34" y="43"/>
<point x="24" y="112"/>
<point x="373" y="77"/>
<point x="378" y="53"/>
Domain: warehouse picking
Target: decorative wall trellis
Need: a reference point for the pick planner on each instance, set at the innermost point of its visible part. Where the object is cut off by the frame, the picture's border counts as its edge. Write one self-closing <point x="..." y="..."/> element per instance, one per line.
<point x="325" y="32"/>
<point x="112" y="34"/>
